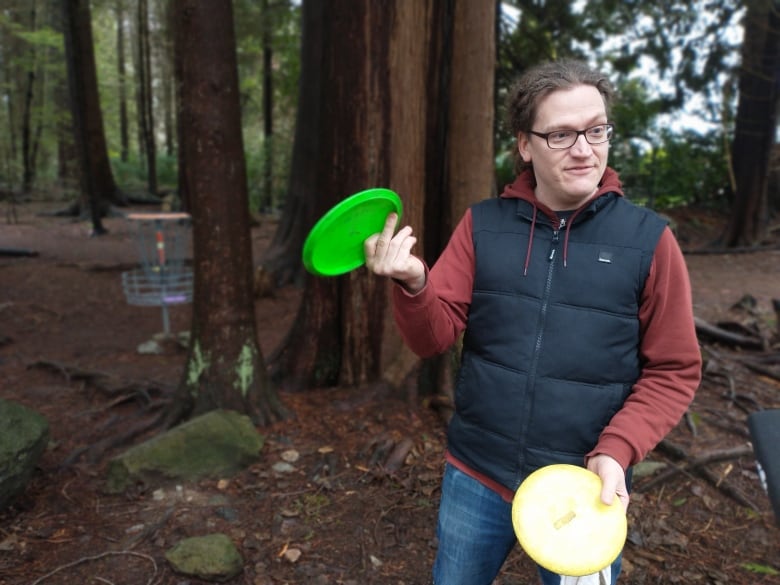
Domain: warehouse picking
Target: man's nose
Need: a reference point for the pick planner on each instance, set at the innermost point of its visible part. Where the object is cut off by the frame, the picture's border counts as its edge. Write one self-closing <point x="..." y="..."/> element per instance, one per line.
<point x="581" y="146"/>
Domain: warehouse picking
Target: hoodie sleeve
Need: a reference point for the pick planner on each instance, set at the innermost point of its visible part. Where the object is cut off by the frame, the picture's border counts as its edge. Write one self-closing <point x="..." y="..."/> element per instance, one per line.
<point x="432" y="319"/>
<point x="671" y="359"/>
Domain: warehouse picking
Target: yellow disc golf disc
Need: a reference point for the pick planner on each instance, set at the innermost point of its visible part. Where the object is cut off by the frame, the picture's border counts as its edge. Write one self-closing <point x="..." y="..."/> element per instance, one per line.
<point x="562" y="524"/>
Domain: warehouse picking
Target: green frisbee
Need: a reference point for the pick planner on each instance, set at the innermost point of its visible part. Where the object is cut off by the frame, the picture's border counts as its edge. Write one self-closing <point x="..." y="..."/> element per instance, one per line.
<point x="334" y="245"/>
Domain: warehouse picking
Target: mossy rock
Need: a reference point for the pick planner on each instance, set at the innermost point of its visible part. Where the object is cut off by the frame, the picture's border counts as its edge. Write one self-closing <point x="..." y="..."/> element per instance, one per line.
<point x="216" y="444"/>
<point x="213" y="557"/>
<point x="24" y="435"/>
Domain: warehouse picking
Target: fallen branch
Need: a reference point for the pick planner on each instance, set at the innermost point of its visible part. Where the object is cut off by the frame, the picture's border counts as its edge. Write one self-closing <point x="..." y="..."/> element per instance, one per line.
<point x="696" y="466"/>
<point x="98" y="557"/>
<point x="759" y="369"/>
<point x="69" y="372"/>
<point x="17" y="252"/>
<point x="716" y="333"/>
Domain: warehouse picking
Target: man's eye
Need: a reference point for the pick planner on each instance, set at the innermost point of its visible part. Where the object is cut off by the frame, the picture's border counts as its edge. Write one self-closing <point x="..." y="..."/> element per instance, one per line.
<point x="560" y="135"/>
<point x="596" y="131"/>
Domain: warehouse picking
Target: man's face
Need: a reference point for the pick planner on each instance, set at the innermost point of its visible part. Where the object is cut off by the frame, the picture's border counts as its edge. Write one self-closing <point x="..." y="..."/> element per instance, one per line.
<point x="566" y="178"/>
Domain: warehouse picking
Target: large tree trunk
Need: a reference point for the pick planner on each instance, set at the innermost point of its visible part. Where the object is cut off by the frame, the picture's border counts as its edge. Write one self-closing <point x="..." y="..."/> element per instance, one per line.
<point x="755" y="124"/>
<point x="465" y="139"/>
<point x="352" y="155"/>
<point x="67" y="155"/>
<point x="225" y="366"/>
<point x="97" y="179"/>
<point x="382" y="110"/>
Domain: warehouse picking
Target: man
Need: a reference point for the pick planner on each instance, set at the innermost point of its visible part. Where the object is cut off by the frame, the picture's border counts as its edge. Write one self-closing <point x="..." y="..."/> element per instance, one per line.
<point x="579" y="342"/>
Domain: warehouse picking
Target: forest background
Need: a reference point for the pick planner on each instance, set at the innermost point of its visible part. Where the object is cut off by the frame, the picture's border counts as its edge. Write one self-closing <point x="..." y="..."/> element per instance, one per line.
<point x="255" y="111"/>
<point x="111" y="102"/>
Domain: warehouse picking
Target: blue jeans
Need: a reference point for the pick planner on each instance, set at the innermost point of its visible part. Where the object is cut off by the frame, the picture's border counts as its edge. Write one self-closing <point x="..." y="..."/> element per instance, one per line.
<point x="476" y="534"/>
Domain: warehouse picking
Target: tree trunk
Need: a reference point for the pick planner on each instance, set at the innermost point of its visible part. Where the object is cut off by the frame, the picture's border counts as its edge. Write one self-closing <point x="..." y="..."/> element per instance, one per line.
<point x="67" y="155"/>
<point x="97" y="180"/>
<point x="377" y="75"/>
<point x="282" y="259"/>
<point x="354" y="95"/>
<point x="28" y="160"/>
<point x="168" y="94"/>
<point x="465" y="139"/>
<point x="178" y="58"/>
<point x="471" y="122"/>
<point x="146" y="112"/>
<point x="225" y="366"/>
<point x="755" y="124"/>
<point x="268" y="109"/>
<point x="124" y="131"/>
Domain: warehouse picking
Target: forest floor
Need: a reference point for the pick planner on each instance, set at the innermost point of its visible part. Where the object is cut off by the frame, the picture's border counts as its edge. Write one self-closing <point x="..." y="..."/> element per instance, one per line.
<point x="68" y="348"/>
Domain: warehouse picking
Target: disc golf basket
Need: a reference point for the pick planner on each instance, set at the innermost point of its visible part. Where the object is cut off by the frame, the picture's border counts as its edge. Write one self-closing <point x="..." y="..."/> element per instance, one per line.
<point x="164" y="277"/>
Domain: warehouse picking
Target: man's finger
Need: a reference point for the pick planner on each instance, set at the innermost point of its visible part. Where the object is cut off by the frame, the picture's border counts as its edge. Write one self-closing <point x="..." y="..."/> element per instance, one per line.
<point x="390" y="221"/>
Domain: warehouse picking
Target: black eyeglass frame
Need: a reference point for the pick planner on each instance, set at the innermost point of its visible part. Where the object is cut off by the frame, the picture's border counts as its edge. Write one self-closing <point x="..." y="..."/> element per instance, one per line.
<point x="609" y="132"/>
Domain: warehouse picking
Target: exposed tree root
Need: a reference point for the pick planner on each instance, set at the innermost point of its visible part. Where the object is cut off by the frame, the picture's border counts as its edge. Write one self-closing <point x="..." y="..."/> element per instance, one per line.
<point x="98" y="557"/>
<point x="121" y="391"/>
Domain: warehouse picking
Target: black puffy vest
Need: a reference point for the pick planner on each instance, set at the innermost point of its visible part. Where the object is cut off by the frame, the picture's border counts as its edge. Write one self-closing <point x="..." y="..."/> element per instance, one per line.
<point x="549" y="357"/>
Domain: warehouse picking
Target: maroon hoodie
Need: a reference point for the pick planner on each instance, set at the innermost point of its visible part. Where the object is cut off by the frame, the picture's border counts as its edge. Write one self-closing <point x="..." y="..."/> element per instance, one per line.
<point x="431" y="321"/>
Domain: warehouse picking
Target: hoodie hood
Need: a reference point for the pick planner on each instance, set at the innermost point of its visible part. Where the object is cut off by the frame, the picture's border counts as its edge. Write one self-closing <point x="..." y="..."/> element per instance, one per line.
<point x="523" y="188"/>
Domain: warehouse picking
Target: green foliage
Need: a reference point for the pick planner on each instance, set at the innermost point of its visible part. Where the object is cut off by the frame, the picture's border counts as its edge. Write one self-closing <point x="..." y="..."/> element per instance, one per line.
<point x="673" y="170"/>
<point x="760" y="569"/>
<point x="256" y="163"/>
<point x="131" y="174"/>
<point x="44" y="37"/>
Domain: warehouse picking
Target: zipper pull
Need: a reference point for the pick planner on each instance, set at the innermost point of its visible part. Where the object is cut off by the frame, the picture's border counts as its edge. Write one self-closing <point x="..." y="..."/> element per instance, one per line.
<point x="556" y="231"/>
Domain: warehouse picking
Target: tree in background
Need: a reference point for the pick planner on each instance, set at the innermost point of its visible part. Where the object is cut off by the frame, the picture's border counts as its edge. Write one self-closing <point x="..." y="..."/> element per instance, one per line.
<point x="282" y="259"/>
<point x="30" y="51"/>
<point x="756" y="123"/>
<point x="225" y="366"/>
<point x="97" y="179"/>
<point x="383" y="106"/>
<point x="144" y="97"/>
<point x="121" y="66"/>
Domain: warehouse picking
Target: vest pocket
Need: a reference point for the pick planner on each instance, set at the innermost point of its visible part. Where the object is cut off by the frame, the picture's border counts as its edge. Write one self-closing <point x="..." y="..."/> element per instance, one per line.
<point x="568" y="417"/>
<point x="491" y="396"/>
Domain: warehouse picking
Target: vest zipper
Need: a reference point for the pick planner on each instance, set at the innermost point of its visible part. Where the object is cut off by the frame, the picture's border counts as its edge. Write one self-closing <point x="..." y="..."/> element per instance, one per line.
<point x="540" y="330"/>
<point x="547" y="287"/>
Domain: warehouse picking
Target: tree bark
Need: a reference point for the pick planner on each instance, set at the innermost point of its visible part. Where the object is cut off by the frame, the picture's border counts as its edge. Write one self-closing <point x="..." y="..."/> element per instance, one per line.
<point x="124" y="132"/>
<point x="268" y="109"/>
<point x="352" y="155"/>
<point x="145" y="101"/>
<point x="97" y="179"/>
<point x="282" y="259"/>
<point x="225" y="366"/>
<point x="28" y="159"/>
<point x="755" y="124"/>
<point x="381" y="111"/>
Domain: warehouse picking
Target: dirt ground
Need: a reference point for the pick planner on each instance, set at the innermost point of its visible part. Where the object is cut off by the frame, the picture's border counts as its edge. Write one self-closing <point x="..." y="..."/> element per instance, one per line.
<point x="331" y="515"/>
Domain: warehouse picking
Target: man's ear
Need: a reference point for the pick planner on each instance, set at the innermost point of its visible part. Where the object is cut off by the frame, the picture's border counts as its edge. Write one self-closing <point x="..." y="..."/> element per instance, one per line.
<point x="522" y="146"/>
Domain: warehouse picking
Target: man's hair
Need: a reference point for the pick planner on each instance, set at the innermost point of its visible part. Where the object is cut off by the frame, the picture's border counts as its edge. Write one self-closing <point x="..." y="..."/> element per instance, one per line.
<point x="540" y="81"/>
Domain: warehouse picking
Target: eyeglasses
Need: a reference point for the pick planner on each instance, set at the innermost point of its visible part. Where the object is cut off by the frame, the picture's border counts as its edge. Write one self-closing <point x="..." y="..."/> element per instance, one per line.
<point x="562" y="139"/>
